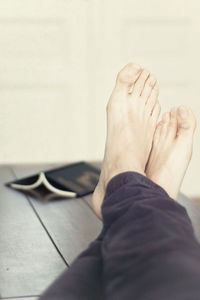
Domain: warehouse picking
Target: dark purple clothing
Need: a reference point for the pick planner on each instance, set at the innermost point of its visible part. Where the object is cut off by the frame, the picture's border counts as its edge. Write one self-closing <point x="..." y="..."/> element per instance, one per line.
<point x="146" y="251"/>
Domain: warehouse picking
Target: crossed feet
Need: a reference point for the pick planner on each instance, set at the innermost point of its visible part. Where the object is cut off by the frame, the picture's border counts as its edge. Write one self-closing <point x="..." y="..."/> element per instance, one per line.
<point x="135" y="142"/>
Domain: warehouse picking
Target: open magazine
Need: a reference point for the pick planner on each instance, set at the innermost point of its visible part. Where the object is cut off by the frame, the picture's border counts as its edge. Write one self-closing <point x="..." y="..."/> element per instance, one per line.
<point x="72" y="180"/>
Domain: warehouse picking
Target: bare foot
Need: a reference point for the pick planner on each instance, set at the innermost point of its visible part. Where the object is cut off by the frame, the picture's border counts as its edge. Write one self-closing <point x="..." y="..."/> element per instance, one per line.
<point x="172" y="150"/>
<point x="131" y="121"/>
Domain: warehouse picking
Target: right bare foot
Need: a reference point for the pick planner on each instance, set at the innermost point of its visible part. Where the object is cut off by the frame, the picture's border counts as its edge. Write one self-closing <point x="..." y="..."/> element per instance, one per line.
<point x="131" y="122"/>
<point x="172" y="150"/>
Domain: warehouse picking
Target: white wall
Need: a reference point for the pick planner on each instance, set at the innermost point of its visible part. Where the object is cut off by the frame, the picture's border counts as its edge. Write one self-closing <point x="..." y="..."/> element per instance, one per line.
<point x="59" y="60"/>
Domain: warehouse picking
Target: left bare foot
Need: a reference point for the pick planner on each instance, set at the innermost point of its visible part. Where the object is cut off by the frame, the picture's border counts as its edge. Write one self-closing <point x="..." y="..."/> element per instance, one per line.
<point x="131" y="122"/>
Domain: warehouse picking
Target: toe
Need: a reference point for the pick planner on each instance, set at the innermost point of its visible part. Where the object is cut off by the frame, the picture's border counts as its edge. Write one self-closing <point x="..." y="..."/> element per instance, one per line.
<point x="127" y="76"/>
<point x="148" y="86"/>
<point x="156" y="112"/>
<point x="186" y="121"/>
<point x="152" y="100"/>
<point x="166" y="118"/>
<point x="173" y="112"/>
<point x="157" y="133"/>
<point x="172" y="124"/>
<point x="165" y="124"/>
<point x="140" y="83"/>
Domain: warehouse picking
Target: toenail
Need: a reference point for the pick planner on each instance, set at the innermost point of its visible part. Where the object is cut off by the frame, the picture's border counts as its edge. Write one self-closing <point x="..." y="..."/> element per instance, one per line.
<point x="130" y="91"/>
<point x="128" y="75"/>
<point x="183" y="112"/>
<point x="173" y="110"/>
<point x="166" y="117"/>
<point x="184" y="125"/>
<point x="153" y="78"/>
<point x="135" y="66"/>
<point x="152" y="81"/>
<point x="173" y="113"/>
<point x="156" y="86"/>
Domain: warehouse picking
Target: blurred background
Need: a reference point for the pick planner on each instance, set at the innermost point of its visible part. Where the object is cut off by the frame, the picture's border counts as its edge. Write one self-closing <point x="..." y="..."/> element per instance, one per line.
<point x="58" y="63"/>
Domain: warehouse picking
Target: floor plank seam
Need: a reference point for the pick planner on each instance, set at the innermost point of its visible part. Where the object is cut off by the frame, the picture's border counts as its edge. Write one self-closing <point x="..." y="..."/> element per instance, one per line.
<point x="20" y="297"/>
<point x="85" y="201"/>
<point x="41" y="222"/>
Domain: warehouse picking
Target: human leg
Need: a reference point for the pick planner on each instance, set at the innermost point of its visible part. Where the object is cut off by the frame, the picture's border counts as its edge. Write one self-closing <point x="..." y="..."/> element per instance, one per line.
<point x="149" y="250"/>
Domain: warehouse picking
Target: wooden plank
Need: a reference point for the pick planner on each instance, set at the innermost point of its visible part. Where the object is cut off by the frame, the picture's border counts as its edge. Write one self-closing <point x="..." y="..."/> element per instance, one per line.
<point x="88" y="198"/>
<point x="67" y="212"/>
<point x="193" y="210"/>
<point x="70" y="222"/>
<point x="26" y="298"/>
<point x="28" y="260"/>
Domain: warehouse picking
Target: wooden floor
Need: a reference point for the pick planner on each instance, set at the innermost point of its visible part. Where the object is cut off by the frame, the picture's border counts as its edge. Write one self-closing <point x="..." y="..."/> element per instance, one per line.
<point x="39" y="240"/>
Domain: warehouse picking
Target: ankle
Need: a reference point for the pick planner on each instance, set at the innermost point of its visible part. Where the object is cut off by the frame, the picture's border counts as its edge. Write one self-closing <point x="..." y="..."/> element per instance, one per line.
<point x="118" y="171"/>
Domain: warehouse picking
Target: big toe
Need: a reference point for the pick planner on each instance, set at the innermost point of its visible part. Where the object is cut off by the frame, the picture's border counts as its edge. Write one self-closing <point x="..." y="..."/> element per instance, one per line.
<point x="127" y="76"/>
<point x="186" y="121"/>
